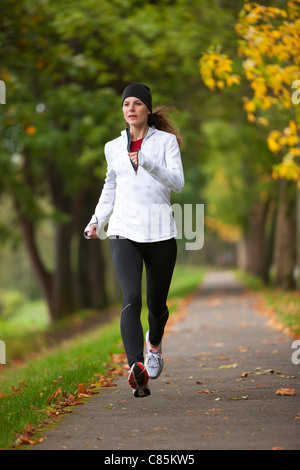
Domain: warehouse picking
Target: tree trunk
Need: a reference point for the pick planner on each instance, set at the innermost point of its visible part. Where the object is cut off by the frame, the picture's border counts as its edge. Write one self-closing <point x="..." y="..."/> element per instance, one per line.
<point x="43" y="277"/>
<point x="62" y="295"/>
<point x="90" y="278"/>
<point x="56" y="287"/>
<point x="255" y="242"/>
<point x="90" y="265"/>
<point x="284" y="249"/>
<point x="86" y="266"/>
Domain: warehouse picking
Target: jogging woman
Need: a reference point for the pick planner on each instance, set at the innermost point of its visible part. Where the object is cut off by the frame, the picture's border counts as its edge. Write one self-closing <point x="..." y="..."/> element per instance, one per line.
<point x="143" y="166"/>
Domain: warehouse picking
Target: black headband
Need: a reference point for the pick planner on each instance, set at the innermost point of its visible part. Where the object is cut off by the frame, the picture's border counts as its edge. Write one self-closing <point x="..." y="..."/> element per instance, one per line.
<point x="140" y="91"/>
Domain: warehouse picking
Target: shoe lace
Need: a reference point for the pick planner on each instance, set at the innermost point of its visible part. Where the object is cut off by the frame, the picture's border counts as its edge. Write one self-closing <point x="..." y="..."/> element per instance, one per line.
<point x="153" y="358"/>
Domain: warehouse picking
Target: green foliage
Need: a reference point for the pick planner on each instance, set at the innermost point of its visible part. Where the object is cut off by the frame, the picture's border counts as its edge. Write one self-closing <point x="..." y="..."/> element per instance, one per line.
<point x="10" y="301"/>
<point x="65" y="65"/>
<point x="238" y="170"/>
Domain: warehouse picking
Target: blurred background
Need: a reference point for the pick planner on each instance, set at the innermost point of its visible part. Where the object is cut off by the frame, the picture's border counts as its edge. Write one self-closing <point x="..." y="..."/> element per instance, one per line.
<point x="64" y="66"/>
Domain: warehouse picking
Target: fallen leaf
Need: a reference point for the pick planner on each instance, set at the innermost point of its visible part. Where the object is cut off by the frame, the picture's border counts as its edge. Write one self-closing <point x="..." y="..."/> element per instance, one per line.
<point x="20" y="388"/>
<point x="241" y="398"/>
<point x="81" y="388"/>
<point x="285" y="391"/>
<point x="245" y="374"/>
<point x="57" y="380"/>
<point x="229" y="366"/>
<point x="70" y="400"/>
<point x="54" y="395"/>
<point x="104" y="381"/>
<point x="26" y="436"/>
<point x="264" y="372"/>
<point x="52" y="414"/>
<point x="85" y="392"/>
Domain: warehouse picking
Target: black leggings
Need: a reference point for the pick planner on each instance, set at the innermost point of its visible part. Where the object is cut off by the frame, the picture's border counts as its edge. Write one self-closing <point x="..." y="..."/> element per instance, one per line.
<point x="159" y="258"/>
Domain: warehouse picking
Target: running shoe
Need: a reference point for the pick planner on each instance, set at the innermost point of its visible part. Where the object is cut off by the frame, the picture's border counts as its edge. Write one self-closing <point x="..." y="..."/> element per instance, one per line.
<point x="141" y="392"/>
<point x="138" y="380"/>
<point x="154" y="359"/>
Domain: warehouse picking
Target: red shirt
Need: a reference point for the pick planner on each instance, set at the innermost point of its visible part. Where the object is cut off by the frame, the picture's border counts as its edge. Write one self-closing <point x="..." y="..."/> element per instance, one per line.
<point x="136" y="145"/>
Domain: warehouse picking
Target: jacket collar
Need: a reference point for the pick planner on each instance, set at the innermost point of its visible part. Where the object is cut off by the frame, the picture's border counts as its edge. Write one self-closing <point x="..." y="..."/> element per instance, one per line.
<point x="150" y="131"/>
<point x="126" y="134"/>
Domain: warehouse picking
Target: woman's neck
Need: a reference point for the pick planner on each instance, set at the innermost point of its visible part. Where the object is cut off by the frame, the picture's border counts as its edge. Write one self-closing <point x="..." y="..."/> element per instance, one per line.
<point x="138" y="133"/>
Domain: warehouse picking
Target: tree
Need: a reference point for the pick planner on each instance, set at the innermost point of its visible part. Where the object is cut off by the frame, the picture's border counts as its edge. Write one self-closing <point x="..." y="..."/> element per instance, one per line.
<point x="239" y="191"/>
<point x="65" y="65"/>
<point x="269" y="46"/>
<point x="51" y="140"/>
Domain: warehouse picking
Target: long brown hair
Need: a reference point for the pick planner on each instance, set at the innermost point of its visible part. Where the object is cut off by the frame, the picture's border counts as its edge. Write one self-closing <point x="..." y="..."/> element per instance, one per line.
<point x="161" y="120"/>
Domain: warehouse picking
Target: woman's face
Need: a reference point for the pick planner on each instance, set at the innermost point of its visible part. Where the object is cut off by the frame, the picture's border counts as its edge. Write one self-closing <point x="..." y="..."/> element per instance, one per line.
<point x="135" y="111"/>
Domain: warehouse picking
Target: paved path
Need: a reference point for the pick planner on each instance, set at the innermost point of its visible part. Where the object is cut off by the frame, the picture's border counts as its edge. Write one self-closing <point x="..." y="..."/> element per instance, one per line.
<point x="207" y="351"/>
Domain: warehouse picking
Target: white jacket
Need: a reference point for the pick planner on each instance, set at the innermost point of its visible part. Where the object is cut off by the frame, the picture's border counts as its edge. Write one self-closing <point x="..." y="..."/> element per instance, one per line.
<point x="138" y="204"/>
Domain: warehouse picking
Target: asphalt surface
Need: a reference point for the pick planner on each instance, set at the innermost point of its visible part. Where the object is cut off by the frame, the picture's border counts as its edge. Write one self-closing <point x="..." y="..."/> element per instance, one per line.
<point x="223" y="366"/>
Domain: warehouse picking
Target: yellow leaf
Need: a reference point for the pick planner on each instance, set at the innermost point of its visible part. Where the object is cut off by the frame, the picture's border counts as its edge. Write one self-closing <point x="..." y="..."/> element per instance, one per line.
<point x="263" y="121"/>
<point x="250" y="106"/>
<point x="251" y="117"/>
<point x="229" y="366"/>
<point x="30" y="130"/>
<point x="272" y="141"/>
<point x="210" y="83"/>
<point x="233" y="80"/>
<point x="295" y="152"/>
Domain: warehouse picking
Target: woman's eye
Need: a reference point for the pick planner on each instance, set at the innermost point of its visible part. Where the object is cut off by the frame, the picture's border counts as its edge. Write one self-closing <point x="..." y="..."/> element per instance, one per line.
<point x="136" y="104"/>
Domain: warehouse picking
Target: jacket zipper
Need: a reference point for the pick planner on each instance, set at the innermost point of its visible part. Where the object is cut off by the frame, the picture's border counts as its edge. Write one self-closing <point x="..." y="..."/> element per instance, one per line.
<point x="135" y="167"/>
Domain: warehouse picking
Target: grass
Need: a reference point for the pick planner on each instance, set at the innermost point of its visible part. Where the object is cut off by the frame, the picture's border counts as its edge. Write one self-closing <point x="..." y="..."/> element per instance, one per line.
<point x="23" y="332"/>
<point x="25" y="389"/>
<point x="283" y="307"/>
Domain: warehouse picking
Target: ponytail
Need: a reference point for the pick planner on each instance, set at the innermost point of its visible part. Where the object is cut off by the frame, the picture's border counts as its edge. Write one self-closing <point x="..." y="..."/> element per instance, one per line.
<point x="161" y="120"/>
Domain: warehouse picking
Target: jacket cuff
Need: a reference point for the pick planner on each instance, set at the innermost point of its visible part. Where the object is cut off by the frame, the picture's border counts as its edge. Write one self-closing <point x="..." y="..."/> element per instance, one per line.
<point x="94" y="220"/>
<point x="145" y="162"/>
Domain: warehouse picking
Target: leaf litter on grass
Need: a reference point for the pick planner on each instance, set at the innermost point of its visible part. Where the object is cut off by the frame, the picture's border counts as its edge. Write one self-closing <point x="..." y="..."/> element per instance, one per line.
<point x="59" y="401"/>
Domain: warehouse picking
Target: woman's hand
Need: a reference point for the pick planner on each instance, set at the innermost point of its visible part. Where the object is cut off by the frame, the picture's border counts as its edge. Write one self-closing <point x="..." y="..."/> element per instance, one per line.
<point x="134" y="157"/>
<point x="92" y="233"/>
